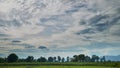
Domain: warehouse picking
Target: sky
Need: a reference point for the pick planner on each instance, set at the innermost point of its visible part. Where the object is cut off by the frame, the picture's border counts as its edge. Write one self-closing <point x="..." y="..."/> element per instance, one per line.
<point x="59" y="27"/>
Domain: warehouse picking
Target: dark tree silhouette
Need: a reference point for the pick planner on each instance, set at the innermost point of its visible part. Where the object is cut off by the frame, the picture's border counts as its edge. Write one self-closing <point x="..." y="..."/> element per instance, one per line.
<point x="103" y="59"/>
<point x="87" y="59"/>
<point x="59" y="58"/>
<point x="50" y="59"/>
<point x="75" y="58"/>
<point x="21" y="60"/>
<point x="29" y="59"/>
<point x="81" y="57"/>
<point x="42" y="59"/>
<point x="95" y="58"/>
<point x="63" y="59"/>
<point x="68" y="58"/>
<point x="54" y="59"/>
<point x="12" y="58"/>
<point x="2" y="60"/>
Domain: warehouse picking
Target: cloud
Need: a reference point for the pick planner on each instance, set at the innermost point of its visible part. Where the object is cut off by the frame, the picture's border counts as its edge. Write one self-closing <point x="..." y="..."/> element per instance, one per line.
<point x="59" y="24"/>
<point x="95" y="23"/>
<point x="2" y="55"/>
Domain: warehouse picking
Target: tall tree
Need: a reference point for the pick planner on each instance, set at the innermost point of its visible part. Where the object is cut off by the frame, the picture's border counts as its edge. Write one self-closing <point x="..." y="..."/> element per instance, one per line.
<point x="68" y="58"/>
<point x="50" y="59"/>
<point x="42" y="59"/>
<point x="81" y="57"/>
<point x="54" y="59"/>
<point x="75" y="58"/>
<point x="103" y="59"/>
<point x="63" y="59"/>
<point x="12" y="57"/>
<point x="95" y="58"/>
<point x="30" y="59"/>
<point x="59" y="59"/>
<point x="2" y="60"/>
<point x="87" y="59"/>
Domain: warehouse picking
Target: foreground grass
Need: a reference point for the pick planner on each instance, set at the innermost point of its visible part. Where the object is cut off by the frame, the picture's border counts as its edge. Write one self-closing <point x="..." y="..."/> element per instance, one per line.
<point x="61" y="65"/>
<point x="53" y="67"/>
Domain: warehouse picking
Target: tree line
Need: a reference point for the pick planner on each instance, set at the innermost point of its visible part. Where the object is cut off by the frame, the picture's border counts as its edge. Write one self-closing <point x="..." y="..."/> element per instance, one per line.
<point x="76" y="58"/>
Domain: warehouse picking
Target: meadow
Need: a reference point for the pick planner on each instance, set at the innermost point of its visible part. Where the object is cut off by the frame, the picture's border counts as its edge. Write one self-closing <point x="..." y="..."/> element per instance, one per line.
<point x="62" y="65"/>
<point x="55" y="67"/>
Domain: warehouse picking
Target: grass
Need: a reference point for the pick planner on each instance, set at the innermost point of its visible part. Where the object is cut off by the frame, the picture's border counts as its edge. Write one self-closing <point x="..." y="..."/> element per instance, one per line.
<point x="54" y="67"/>
<point x="61" y="65"/>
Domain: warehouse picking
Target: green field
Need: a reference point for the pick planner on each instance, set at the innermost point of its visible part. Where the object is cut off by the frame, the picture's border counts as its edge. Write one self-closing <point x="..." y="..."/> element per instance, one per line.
<point x="61" y="65"/>
<point x="54" y="67"/>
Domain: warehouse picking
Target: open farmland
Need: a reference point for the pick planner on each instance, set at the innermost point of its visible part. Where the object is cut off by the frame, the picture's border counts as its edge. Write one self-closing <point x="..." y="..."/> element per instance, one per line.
<point x="53" y="67"/>
<point x="61" y="65"/>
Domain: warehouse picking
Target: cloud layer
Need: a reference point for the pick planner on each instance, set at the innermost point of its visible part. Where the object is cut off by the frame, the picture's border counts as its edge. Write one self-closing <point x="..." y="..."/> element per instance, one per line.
<point x="61" y="25"/>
